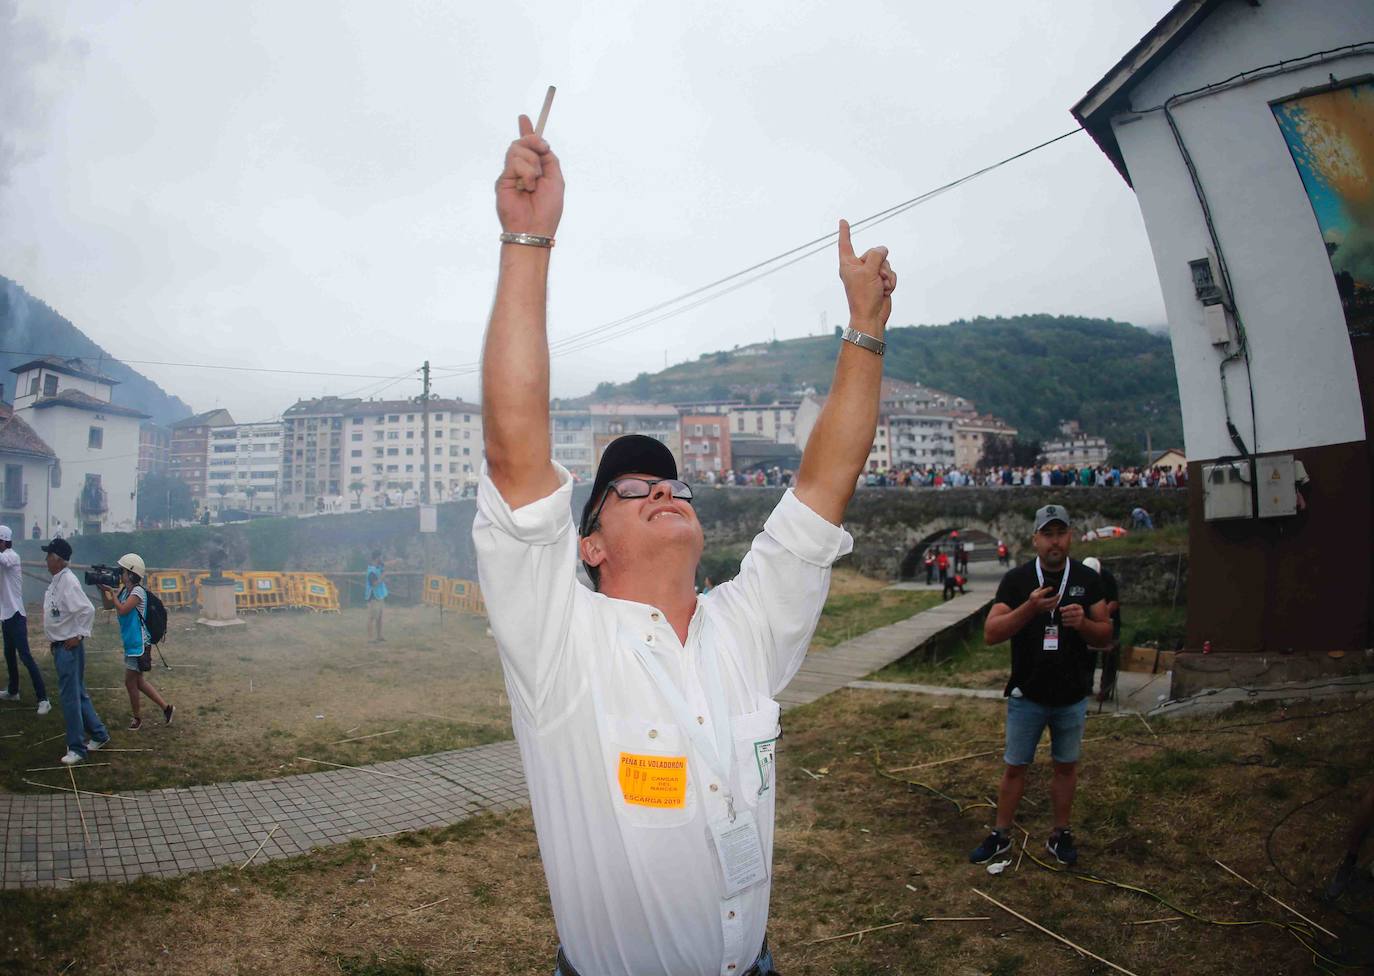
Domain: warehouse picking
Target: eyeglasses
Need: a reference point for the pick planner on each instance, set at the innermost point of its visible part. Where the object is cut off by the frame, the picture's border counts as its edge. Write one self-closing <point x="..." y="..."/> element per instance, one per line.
<point x="639" y="488"/>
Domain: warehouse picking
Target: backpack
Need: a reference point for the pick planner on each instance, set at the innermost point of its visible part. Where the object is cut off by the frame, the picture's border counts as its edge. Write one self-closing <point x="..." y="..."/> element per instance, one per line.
<point x="155" y="618"/>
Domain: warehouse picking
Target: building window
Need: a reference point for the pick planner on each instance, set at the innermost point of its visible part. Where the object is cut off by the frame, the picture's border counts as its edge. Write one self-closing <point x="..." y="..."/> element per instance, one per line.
<point x="95" y="439"/>
<point x="50" y="385"/>
<point x="355" y="454"/>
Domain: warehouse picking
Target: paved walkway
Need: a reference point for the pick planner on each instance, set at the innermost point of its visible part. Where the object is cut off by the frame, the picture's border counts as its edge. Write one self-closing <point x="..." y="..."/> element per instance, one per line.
<point x="177" y="831"/>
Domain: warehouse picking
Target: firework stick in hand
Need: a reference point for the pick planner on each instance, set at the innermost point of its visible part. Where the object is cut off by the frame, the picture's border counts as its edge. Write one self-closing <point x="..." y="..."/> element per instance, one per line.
<point x="539" y="126"/>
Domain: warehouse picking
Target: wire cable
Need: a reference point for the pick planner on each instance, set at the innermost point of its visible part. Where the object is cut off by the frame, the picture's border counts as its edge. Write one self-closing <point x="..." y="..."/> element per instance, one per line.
<point x="627" y="324"/>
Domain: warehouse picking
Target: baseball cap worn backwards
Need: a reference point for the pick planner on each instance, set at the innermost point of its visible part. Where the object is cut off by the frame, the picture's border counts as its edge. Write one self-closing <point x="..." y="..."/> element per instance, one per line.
<point x="631" y="454"/>
<point x="1051" y="513"/>
<point x="60" y="548"/>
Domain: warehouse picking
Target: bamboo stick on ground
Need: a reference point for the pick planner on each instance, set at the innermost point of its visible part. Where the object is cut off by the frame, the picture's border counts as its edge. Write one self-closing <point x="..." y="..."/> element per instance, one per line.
<point x="1146" y="724"/>
<point x="1277" y="902"/>
<point x="941" y="762"/>
<point x="958" y="918"/>
<point x="858" y="932"/>
<point x="412" y="911"/>
<point x="72" y="773"/>
<point x="1156" y="921"/>
<point x="257" y="849"/>
<point x="1059" y="938"/>
<point x="39" y="769"/>
<point x="361" y="769"/>
<point x="67" y="789"/>
<point x="360" y="738"/>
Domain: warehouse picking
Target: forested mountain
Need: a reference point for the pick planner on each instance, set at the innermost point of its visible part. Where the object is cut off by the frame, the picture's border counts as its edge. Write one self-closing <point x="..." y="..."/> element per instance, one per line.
<point x="1031" y="370"/>
<point x="28" y="326"/>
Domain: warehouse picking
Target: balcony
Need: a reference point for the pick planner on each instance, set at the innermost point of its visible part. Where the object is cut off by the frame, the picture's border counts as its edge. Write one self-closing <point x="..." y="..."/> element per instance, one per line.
<point x="93" y="501"/>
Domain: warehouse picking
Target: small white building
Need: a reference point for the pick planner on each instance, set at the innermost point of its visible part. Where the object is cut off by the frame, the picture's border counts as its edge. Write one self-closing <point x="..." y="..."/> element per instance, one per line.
<point x="93" y="485"/>
<point x="776" y="422"/>
<point x="656" y="420"/>
<point x="1074" y="448"/>
<point x="921" y="440"/>
<point x="570" y="433"/>
<point x="1244" y="130"/>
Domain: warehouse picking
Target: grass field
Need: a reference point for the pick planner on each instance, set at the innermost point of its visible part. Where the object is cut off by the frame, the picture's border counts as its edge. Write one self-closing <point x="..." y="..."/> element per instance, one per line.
<point x="1169" y="538"/>
<point x="858" y="847"/>
<point x="251" y="699"/>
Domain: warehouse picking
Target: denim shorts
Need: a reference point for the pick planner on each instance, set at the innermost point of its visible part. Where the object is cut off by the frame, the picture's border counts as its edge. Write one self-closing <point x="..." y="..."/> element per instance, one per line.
<point x="1026" y="721"/>
<point x="131" y="663"/>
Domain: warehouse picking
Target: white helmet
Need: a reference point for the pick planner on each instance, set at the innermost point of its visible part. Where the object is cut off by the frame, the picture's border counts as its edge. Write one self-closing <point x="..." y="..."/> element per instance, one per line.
<point x="133" y="562"/>
<point x="1093" y="563"/>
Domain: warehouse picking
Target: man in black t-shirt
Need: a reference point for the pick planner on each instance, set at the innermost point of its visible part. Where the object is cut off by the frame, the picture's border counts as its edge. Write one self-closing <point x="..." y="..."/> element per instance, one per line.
<point x="1052" y="611"/>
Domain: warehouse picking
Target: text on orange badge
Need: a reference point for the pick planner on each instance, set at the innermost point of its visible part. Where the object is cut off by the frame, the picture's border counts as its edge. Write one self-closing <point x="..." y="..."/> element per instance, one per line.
<point x="654" y="781"/>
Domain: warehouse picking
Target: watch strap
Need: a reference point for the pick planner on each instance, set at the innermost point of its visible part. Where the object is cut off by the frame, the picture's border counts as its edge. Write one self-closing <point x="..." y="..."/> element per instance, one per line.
<point x="863" y="340"/>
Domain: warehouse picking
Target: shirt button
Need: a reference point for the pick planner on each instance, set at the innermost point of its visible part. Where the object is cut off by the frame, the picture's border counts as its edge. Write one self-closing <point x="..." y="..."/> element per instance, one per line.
<point x="731" y="915"/>
<point x="648" y="638"/>
<point x="700" y="720"/>
<point x="731" y="966"/>
<point x="653" y="733"/>
<point x="654" y="616"/>
<point x="714" y="787"/>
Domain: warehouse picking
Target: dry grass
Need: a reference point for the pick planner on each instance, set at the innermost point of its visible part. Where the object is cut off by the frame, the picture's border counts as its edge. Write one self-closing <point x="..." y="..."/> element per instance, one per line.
<point x="250" y="699"/>
<point x="854" y="850"/>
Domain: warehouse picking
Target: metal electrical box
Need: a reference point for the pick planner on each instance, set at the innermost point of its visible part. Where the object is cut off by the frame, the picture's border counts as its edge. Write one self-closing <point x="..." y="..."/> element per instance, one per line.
<point x="1226" y="491"/>
<point x="1277" y="493"/>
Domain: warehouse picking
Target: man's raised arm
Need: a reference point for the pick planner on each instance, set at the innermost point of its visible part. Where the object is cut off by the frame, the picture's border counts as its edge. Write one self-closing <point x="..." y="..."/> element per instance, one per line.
<point x="843" y="436"/>
<point x="515" y="355"/>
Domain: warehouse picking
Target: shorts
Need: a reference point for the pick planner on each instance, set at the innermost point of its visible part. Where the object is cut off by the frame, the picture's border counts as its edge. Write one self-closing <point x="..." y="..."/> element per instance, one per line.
<point x="1026" y="721"/>
<point x="131" y="662"/>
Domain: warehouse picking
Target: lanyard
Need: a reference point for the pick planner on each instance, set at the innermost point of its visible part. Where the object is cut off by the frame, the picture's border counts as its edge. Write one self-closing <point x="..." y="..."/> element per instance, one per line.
<point x="720" y="754"/>
<point x="1040" y="578"/>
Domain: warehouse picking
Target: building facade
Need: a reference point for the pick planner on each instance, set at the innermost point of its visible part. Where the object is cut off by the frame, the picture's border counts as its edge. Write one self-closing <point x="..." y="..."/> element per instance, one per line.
<point x="386" y="463"/>
<point x="921" y="440"/>
<point x="189" y="450"/>
<point x="26" y="462"/>
<point x="154" y="449"/>
<point x="971" y="436"/>
<point x="776" y="422"/>
<point x="243" y="470"/>
<point x="705" y="444"/>
<point x="657" y="420"/>
<point x="1075" y="449"/>
<point x="1243" y="130"/>
<point x="570" y="434"/>
<point x="93" y="483"/>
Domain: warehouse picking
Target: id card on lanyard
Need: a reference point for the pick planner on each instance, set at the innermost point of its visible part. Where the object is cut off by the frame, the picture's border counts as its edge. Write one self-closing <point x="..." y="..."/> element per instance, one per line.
<point x="1052" y="630"/>
<point x="735" y="837"/>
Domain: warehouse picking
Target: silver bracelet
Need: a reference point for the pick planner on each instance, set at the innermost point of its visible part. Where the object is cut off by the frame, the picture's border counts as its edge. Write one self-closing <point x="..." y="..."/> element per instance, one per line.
<point x="863" y="340"/>
<point x="533" y="240"/>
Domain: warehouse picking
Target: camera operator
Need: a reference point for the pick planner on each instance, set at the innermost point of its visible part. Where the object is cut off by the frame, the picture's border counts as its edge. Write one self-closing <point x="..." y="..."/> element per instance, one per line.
<point x="67" y="618"/>
<point x="138" y="653"/>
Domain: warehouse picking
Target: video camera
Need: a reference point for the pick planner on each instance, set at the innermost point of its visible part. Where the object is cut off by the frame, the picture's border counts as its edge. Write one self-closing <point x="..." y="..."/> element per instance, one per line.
<point x="99" y="575"/>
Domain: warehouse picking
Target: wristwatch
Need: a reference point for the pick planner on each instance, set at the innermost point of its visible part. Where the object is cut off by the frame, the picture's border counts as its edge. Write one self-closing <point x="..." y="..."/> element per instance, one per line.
<point x="863" y="340"/>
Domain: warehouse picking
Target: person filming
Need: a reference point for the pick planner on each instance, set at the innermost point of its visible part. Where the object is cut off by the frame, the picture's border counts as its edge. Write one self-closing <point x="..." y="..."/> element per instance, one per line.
<point x="129" y="601"/>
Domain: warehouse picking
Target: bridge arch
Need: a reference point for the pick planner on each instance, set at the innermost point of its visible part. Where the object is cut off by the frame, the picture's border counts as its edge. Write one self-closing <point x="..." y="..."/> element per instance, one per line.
<point x="983" y="538"/>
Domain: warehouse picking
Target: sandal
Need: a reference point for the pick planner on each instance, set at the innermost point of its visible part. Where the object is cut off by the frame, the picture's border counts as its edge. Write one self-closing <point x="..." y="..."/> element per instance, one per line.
<point x="135" y="725"/>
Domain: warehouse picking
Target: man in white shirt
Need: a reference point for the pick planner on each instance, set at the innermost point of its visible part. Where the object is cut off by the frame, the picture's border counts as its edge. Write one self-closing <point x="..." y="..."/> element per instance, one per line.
<point x="15" y="626"/>
<point x="644" y="711"/>
<point x="67" y="617"/>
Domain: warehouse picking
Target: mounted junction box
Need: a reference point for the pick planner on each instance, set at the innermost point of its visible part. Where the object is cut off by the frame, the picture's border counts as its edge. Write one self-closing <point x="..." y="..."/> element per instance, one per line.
<point x="1277" y="494"/>
<point x="1226" y="491"/>
<point x="1218" y="323"/>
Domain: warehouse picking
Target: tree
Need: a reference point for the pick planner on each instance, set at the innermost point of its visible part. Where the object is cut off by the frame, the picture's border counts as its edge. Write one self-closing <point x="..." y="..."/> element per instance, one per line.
<point x="357" y="489"/>
<point x="998" y="451"/>
<point x="1125" y="456"/>
<point x="1025" y="453"/>
<point x="162" y="498"/>
<point x="250" y="491"/>
<point x="221" y="489"/>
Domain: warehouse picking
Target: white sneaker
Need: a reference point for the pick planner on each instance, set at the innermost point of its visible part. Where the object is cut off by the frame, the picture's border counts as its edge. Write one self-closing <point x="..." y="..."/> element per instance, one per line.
<point x="6" y="696"/>
<point x="93" y="745"/>
<point x="72" y="758"/>
<point x="44" y="707"/>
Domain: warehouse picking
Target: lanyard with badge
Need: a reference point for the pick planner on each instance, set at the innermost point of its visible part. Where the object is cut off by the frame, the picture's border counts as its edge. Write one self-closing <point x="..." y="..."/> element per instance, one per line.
<point x="735" y="837"/>
<point x="1052" y="630"/>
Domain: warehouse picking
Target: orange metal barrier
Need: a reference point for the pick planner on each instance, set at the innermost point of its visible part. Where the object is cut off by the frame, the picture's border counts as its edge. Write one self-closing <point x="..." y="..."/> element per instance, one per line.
<point x="171" y="587"/>
<point x="311" y="591"/>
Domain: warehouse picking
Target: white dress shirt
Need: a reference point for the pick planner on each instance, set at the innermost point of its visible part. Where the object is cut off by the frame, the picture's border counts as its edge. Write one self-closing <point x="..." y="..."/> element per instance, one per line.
<point x="11" y="584"/>
<point x="67" y="611"/>
<point x="636" y="889"/>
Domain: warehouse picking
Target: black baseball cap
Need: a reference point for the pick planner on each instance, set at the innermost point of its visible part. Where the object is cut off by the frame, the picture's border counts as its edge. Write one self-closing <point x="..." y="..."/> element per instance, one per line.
<point x="60" y="548"/>
<point x="632" y="453"/>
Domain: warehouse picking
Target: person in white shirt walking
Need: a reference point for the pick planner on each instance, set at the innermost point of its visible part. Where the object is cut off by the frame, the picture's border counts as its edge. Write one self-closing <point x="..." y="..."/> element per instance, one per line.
<point x="15" y="626"/>
<point x="645" y="712"/>
<point x="67" y="617"/>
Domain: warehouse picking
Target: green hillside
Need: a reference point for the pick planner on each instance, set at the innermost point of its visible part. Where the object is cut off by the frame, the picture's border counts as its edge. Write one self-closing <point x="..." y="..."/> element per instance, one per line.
<point x="1031" y="370"/>
<point x="27" y="325"/>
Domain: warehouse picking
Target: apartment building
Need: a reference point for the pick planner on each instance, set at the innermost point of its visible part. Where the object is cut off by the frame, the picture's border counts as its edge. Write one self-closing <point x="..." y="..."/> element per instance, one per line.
<point x="657" y="420"/>
<point x="705" y="444"/>
<point x="154" y="449"/>
<point x="971" y="435"/>
<point x="1075" y="448"/>
<point x="776" y="422"/>
<point x="921" y="440"/>
<point x="386" y="463"/>
<point x="243" y="469"/>
<point x="570" y="433"/>
<point x="190" y="449"/>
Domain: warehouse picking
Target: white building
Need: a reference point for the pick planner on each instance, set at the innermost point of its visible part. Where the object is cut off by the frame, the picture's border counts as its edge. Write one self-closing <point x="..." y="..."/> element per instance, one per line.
<point x="1074" y="448"/>
<point x="27" y="466"/>
<point x="922" y="440"/>
<point x="385" y="444"/>
<point x="1244" y="131"/>
<point x="93" y="484"/>
<point x="570" y="433"/>
<point x="243" y="467"/>
<point x="657" y="420"/>
<point x="776" y="422"/>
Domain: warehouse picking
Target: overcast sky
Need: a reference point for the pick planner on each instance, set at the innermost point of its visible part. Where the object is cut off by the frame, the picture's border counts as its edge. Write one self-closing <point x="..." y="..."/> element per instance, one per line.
<point x="308" y="184"/>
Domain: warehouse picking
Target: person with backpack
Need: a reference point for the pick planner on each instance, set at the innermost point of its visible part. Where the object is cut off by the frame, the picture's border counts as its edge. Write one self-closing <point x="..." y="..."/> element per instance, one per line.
<point x="133" y="606"/>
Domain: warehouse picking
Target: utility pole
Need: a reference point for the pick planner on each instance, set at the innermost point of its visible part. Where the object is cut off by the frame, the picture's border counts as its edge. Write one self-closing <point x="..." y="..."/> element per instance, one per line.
<point x="424" y="448"/>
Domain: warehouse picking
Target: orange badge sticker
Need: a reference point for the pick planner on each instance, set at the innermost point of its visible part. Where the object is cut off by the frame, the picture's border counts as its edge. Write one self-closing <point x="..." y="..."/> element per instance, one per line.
<point x="654" y="781"/>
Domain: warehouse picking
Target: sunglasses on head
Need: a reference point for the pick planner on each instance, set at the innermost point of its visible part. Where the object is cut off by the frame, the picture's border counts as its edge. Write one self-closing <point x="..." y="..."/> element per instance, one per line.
<point x="640" y="488"/>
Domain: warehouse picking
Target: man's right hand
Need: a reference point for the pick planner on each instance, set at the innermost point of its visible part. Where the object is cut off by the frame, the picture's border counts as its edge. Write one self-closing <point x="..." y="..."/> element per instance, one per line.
<point x="1043" y="600"/>
<point x="529" y="192"/>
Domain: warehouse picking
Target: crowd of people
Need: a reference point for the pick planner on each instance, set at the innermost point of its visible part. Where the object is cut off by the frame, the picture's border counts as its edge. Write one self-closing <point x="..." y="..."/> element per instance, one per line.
<point x="1046" y="476"/>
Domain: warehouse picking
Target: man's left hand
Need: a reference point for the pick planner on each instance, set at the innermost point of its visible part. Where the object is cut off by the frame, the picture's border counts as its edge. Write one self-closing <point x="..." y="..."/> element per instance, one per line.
<point x="1073" y="616"/>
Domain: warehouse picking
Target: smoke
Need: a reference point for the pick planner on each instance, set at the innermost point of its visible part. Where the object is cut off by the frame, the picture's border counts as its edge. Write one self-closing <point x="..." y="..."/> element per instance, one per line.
<point x="35" y="65"/>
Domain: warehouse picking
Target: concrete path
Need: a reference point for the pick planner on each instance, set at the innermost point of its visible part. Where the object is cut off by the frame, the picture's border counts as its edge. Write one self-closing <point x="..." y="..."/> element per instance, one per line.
<point x="177" y="831"/>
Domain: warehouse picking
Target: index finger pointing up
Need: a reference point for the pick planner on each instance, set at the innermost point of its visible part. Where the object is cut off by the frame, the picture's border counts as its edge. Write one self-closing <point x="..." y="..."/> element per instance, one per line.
<point x="846" y="247"/>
